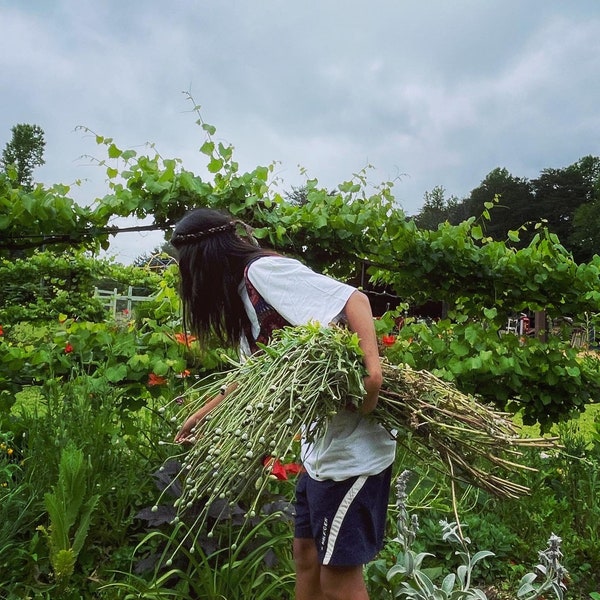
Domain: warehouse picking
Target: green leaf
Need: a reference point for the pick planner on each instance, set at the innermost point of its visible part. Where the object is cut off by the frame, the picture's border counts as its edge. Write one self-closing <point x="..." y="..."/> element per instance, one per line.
<point x="128" y="154"/>
<point x="210" y="129"/>
<point x="207" y="148"/>
<point x="448" y="582"/>
<point x="215" y="165"/>
<point x="113" y="151"/>
<point x="480" y="555"/>
<point x="490" y="313"/>
<point x="116" y="373"/>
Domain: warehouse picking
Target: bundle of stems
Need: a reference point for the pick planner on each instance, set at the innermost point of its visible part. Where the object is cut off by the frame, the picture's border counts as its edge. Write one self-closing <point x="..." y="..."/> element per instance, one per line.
<point x="310" y="372"/>
<point x="468" y="439"/>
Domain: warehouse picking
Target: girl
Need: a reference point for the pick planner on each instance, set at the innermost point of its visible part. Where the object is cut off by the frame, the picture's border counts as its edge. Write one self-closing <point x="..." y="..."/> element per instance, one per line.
<point x="240" y="293"/>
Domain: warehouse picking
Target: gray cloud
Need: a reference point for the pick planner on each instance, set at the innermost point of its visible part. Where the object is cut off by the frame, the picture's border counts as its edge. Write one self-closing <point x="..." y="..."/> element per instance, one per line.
<point x="430" y="93"/>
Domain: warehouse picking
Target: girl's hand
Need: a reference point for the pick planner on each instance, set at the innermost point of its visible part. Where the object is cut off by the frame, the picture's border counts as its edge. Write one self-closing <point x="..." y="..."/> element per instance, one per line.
<point x="188" y="432"/>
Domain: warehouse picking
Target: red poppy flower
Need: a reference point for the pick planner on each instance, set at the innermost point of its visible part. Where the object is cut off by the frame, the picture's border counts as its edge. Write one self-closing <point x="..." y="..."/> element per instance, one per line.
<point x="154" y="379"/>
<point x="1" y="330"/>
<point x="279" y="470"/>
<point x="68" y="349"/>
<point x="388" y="340"/>
<point x="275" y="466"/>
<point x="293" y="468"/>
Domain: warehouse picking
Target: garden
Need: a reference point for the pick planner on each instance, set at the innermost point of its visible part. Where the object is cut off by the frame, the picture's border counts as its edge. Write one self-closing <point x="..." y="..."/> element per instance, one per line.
<point x="91" y="483"/>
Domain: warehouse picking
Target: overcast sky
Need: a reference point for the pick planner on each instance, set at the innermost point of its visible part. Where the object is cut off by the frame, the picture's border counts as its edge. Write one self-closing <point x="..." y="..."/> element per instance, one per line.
<point x="429" y="92"/>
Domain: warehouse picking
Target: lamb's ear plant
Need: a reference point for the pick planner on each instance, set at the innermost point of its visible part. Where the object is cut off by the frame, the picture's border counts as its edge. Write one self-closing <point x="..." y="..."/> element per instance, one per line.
<point x="552" y="571"/>
<point x="408" y="579"/>
<point x="70" y="509"/>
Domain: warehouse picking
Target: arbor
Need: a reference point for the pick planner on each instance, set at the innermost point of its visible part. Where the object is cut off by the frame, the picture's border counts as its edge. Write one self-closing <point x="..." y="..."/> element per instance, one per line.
<point x="354" y="232"/>
<point x="24" y="152"/>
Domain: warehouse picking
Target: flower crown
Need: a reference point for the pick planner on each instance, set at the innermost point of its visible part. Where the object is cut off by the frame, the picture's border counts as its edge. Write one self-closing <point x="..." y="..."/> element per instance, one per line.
<point x="185" y="238"/>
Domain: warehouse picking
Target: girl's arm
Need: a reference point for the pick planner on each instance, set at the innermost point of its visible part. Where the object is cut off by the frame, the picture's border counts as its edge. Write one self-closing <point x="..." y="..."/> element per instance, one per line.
<point x="187" y="432"/>
<point x="360" y="320"/>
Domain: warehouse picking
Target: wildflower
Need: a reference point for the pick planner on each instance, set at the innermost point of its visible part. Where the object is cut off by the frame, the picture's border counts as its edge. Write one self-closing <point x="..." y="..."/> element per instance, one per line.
<point x="388" y="340"/>
<point x="407" y="525"/>
<point x="68" y="348"/>
<point x="185" y="373"/>
<point x="154" y="379"/>
<point x="184" y="338"/>
<point x="1" y="330"/>
<point x="401" y="483"/>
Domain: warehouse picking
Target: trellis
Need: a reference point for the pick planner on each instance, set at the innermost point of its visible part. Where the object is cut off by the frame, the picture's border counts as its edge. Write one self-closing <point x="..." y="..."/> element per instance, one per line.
<point x="119" y="305"/>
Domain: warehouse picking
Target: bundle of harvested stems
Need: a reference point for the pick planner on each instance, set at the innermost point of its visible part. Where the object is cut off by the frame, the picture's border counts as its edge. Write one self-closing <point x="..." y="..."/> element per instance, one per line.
<point x="307" y="373"/>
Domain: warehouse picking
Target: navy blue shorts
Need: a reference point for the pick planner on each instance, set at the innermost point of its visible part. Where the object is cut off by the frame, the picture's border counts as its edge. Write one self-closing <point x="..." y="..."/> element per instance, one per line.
<point x="346" y="518"/>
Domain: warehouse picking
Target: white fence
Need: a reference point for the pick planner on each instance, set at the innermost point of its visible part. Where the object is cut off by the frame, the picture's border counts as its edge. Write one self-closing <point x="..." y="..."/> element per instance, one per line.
<point x="119" y="304"/>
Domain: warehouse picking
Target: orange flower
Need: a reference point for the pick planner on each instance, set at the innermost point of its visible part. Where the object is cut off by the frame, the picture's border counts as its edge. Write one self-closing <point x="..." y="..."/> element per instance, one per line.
<point x="184" y="374"/>
<point x="184" y="338"/>
<point x="154" y="379"/>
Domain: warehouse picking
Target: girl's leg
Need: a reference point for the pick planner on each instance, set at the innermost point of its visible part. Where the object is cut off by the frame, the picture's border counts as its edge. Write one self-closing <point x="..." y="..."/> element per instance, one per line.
<point x="308" y="570"/>
<point x="343" y="583"/>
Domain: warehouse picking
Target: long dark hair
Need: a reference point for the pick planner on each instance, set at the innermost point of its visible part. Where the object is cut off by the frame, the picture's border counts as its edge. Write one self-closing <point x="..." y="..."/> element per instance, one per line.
<point x="213" y="251"/>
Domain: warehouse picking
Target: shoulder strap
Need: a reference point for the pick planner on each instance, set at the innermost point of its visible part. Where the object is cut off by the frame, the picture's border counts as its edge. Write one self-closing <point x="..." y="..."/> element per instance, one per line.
<point x="268" y="318"/>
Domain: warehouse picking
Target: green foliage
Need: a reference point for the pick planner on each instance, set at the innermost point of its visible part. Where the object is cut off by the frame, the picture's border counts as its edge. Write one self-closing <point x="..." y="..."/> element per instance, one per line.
<point x="232" y="558"/>
<point x="120" y="443"/>
<point x="46" y="286"/>
<point x="544" y="381"/>
<point x="33" y="218"/>
<point x="70" y="508"/>
<point x="258" y="566"/>
<point x="105" y="392"/>
<point x="407" y="578"/>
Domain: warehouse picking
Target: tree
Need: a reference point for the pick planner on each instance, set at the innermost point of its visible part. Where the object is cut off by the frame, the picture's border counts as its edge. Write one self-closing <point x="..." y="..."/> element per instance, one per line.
<point x="24" y="152"/>
<point x="298" y="196"/>
<point x="558" y="194"/>
<point x="584" y="239"/>
<point x="436" y="209"/>
<point x="514" y="204"/>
